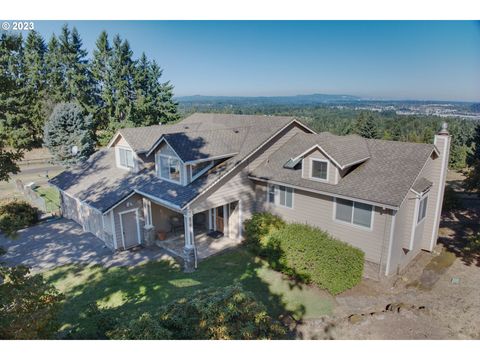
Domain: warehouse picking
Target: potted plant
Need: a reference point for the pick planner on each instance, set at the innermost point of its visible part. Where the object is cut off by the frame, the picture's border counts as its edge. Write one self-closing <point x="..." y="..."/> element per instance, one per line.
<point x="161" y="235"/>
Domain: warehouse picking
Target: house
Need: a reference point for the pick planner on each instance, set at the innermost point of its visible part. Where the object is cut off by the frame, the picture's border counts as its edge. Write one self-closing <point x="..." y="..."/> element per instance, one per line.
<point x="202" y="177"/>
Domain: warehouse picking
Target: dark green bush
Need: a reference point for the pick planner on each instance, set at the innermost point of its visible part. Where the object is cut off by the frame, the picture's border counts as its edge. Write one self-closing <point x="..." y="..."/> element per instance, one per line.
<point x="16" y="215"/>
<point x="28" y="305"/>
<point x="257" y="229"/>
<point x="228" y="313"/>
<point x="314" y="256"/>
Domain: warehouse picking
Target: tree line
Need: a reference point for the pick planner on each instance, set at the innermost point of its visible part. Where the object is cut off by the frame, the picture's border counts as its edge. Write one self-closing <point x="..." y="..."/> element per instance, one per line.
<point x="370" y="124"/>
<point x="111" y="86"/>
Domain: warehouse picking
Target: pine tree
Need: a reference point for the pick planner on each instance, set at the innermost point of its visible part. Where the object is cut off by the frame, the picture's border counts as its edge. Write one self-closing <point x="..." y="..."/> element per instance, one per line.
<point x="56" y="88"/>
<point x="77" y="76"/>
<point x="68" y="127"/>
<point x="123" y="70"/>
<point x="472" y="181"/>
<point x="102" y="80"/>
<point x="367" y="127"/>
<point x="35" y="82"/>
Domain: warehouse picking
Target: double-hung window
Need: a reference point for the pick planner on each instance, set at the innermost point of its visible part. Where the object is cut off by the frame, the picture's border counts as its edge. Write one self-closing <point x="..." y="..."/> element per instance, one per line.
<point x="353" y="212"/>
<point x="422" y="209"/>
<point x="280" y="195"/>
<point x="169" y="168"/>
<point x="319" y="169"/>
<point x="125" y="158"/>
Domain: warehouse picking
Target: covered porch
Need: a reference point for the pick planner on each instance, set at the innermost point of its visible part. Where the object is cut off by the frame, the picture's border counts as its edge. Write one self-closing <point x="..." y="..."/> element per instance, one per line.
<point x="192" y="236"/>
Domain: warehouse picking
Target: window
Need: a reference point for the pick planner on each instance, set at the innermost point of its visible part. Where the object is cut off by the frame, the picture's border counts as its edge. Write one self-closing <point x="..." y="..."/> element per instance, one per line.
<point x="169" y="168"/>
<point x="125" y="158"/>
<point x="355" y="213"/>
<point x="422" y="209"/>
<point x="319" y="169"/>
<point x="280" y="195"/>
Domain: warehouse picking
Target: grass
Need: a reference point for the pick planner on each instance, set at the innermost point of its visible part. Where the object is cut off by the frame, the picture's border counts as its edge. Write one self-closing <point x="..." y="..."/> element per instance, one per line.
<point x="51" y="196"/>
<point x="144" y="288"/>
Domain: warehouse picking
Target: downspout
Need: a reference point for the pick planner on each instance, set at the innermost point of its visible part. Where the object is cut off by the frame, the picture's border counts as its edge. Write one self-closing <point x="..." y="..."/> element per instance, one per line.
<point x="390" y="245"/>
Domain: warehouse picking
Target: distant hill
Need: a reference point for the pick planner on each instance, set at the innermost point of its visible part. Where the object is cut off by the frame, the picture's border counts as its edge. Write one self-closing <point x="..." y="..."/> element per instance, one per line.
<point x="270" y="100"/>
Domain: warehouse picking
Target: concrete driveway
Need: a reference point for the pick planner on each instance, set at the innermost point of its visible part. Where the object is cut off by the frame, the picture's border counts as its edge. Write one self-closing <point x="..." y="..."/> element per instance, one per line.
<point x="60" y="242"/>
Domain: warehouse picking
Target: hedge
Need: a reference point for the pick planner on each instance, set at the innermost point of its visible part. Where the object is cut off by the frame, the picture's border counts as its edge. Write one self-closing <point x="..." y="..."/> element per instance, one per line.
<point x="257" y="230"/>
<point x="315" y="256"/>
<point x="16" y="215"/>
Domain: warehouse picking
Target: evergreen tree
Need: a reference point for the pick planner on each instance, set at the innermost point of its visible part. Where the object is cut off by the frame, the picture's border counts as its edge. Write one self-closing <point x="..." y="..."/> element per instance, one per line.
<point x="68" y="127"/>
<point x="56" y="88"/>
<point x="367" y="127"/>
<point x="472" y="182"/>
<point x="35" y="82"/>
<point x="102" y="79"/>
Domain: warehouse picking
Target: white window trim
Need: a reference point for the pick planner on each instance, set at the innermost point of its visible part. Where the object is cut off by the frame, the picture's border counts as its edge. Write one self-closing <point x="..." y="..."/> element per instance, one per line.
<point x="353" y="209"/>
<point x="117" y="158"/>
<point x="276" y="197"/>
<point x="203" y="171"/>
<point x="312" y="159"/>
<point x="158" y="168"/>
<point x="419" y="201"/>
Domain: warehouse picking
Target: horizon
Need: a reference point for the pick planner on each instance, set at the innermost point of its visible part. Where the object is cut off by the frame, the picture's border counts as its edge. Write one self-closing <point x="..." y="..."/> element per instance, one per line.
<point x="372" y="60"/>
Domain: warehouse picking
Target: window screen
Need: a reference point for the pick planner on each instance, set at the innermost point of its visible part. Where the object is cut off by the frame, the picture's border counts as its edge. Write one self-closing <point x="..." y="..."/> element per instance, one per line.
<point x="362" y="214"/>
<point x="344" y="210"/>
<point x="126" y="157"/>
<point x="319" y="169"/>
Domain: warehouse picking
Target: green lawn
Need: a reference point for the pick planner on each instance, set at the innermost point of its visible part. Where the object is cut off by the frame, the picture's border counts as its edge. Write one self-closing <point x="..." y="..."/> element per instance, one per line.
<point x="51" y="196"/>
<point x="145" y="288"/>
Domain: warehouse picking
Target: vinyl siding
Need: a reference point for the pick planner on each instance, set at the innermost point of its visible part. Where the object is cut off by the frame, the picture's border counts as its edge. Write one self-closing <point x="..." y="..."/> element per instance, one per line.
<point x="318" y="210"/>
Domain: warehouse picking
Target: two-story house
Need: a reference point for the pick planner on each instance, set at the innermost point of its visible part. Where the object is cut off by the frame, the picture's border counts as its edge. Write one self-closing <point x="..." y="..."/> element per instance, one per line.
<point x="210" y="172"/>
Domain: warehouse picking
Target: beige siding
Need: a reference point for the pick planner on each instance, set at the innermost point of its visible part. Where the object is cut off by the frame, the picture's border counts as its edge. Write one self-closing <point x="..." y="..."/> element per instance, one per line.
<point x="133" y="202"/>
<point x="121" y="142"/>
<point x="161" y="217"/>
<point x="318" y="210"/>
<point x="165" y="149"/>
<point x="237" y="185"/>
<point x="333" y="174"/>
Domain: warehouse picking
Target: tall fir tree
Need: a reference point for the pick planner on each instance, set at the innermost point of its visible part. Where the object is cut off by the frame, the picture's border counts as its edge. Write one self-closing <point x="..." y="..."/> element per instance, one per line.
<point x="102" y="80"/>
<point x="56" y="88"/>
<point x="36" y="82"/>
<point x="76" y="71"/>
<point x="472" y="181"/>
<point x="367" y="127"/>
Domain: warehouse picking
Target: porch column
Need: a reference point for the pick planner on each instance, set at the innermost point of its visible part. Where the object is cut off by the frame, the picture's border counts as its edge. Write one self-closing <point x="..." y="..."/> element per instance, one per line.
<point x="189" y="249"/>
<point x="148" y="229"/>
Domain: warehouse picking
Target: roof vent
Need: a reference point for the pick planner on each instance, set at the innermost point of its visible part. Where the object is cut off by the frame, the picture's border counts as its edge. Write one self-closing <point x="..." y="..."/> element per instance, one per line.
<point x="236" y="131"/>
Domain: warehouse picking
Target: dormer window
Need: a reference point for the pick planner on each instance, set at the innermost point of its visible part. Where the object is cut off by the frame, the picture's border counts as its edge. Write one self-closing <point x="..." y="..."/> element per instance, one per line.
<point x="169" y="168"/>
<point x="319" y="169"/>
<point x="125" y="158"/>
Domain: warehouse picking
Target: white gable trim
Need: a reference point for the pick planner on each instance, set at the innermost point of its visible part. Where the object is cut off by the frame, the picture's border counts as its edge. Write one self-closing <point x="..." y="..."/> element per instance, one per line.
<point x="115" y="138"/>
<point x="318" y="147"/>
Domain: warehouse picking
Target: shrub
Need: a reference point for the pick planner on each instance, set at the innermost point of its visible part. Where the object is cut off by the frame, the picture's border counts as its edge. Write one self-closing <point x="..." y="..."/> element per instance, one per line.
<point x="314" y="256"/>
<point x="16" y="215"/>
<point x="228" y="313"/>
<point x="258" y="228"/>
<point x="28" y="305"/>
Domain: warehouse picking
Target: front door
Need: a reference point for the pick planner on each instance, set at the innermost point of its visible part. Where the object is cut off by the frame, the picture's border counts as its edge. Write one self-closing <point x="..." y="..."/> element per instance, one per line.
<point x="220" y="221"/>
<point x="129" y="229"/>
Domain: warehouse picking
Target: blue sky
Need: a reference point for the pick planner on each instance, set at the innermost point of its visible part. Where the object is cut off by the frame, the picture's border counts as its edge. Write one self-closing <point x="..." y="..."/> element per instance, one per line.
<point x="374" y="59"/>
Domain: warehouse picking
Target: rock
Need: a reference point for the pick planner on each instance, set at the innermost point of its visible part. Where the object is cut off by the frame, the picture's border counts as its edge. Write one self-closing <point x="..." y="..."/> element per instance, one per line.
<point x="355" y="318"/>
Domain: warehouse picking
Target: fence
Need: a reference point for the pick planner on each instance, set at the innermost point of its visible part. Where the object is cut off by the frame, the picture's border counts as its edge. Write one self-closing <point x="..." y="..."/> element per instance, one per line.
<point x="31" y="196"/>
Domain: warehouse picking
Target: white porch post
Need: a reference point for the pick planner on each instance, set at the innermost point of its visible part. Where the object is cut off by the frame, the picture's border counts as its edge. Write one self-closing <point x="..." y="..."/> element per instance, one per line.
<point x="148" y="228"/>
<point x="189" y="249"/>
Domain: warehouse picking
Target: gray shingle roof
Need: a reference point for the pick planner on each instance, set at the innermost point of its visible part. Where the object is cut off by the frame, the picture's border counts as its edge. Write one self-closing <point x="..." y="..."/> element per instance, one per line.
<point x="422" y="185"/>
<point x="344" y="150"/>
<point x="99" y="183"/>
<point x="384" y="178"/>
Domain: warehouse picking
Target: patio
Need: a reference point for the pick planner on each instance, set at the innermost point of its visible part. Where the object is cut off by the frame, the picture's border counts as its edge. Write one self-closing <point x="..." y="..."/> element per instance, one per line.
<point x="206" y="245"/>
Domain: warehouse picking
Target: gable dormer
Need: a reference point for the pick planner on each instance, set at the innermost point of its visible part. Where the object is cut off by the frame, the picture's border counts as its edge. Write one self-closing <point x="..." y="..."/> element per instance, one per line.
<point x="168" y="165"/>
<point x="317" y="166"/>
<point x="125" y="157"/>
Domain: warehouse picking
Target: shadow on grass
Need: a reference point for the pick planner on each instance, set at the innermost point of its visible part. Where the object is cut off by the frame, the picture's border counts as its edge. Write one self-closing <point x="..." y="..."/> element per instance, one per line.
<point x="128" y="292"/>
